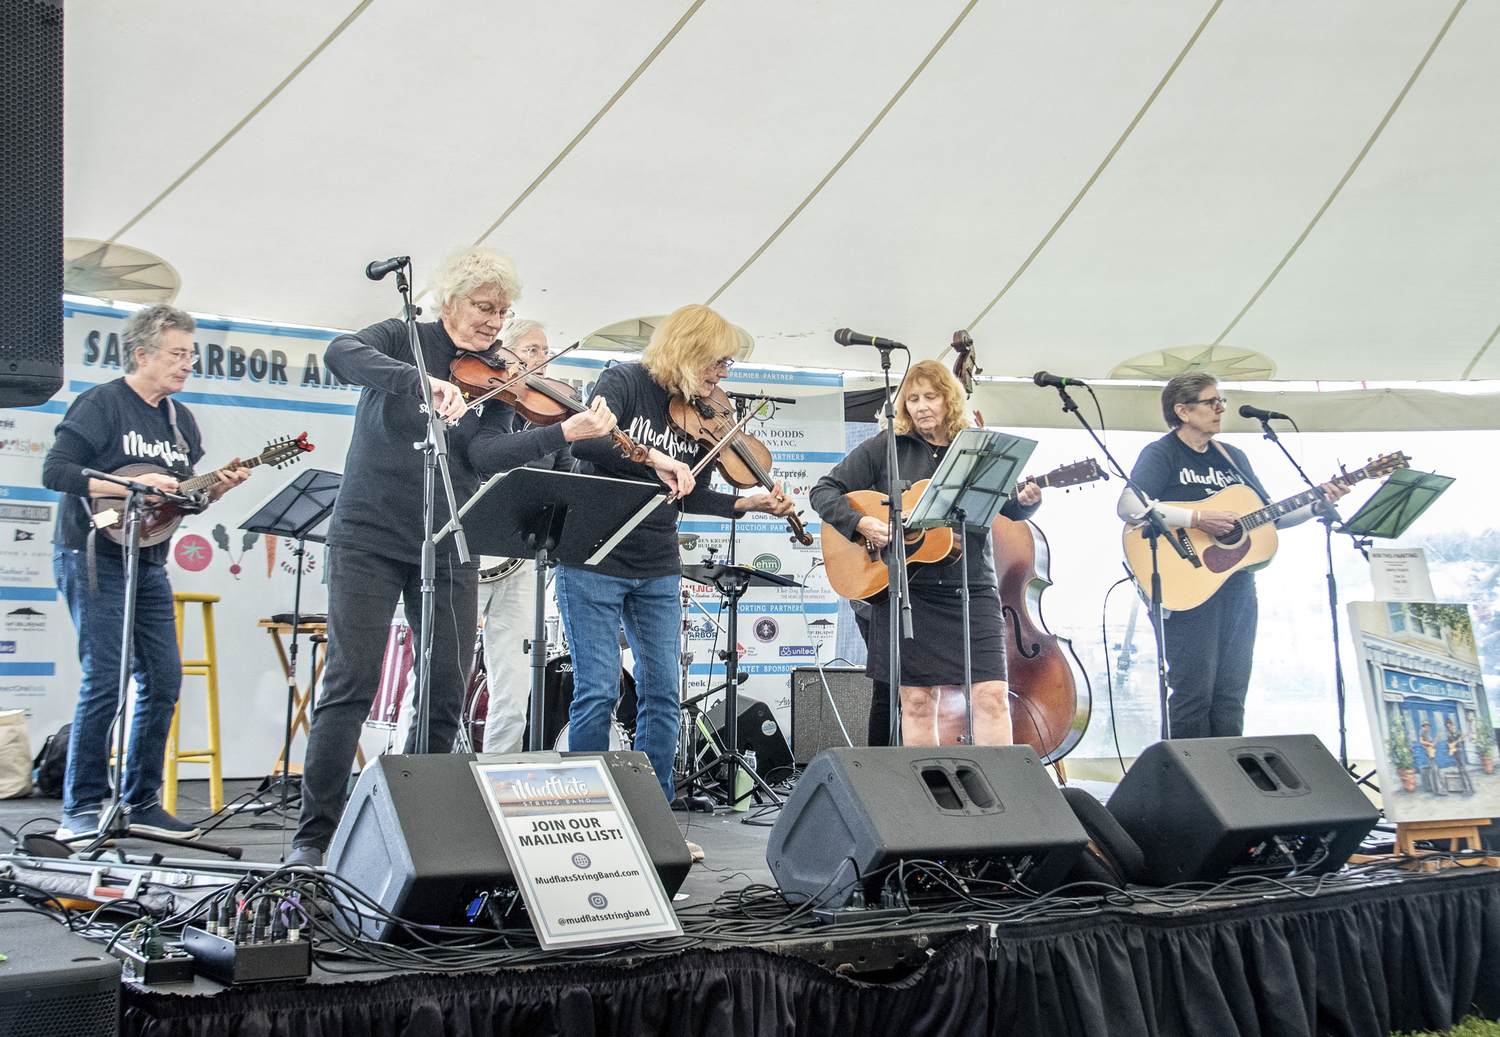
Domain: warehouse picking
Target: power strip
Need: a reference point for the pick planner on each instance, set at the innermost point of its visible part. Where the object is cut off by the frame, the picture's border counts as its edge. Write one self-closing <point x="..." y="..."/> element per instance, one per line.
<point x="231" y="963"/>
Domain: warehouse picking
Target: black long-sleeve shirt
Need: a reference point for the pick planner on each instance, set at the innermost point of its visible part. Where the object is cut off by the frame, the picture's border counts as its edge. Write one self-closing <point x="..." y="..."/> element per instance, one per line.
<point x="379" y="506"/>
<point x="639" y="404"/>
<point x="916" y="459"/>
<point x="106" y="428"/>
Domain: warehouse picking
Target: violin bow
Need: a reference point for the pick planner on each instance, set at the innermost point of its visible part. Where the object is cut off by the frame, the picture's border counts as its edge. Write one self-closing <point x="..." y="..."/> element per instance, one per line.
<point x="523" y="375"/>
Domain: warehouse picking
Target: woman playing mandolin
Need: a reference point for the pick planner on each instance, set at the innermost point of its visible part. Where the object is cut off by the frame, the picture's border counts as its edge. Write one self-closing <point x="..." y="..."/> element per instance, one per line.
<point x="929" y="413"/>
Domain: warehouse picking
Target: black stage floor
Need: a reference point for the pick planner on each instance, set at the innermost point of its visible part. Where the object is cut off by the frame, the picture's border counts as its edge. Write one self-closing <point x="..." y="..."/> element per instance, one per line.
<point x="1370" y="950"/>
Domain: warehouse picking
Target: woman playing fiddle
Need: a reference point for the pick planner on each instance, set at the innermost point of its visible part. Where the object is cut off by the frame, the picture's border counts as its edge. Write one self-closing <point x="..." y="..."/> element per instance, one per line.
<point x="929" y="413"/>
<point x="637" y="584"/>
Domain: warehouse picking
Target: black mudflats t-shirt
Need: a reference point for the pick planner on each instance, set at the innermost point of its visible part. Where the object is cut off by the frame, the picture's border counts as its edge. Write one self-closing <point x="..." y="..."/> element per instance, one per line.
<point x="1170" y="470"/>
<point x="107" y="428"/>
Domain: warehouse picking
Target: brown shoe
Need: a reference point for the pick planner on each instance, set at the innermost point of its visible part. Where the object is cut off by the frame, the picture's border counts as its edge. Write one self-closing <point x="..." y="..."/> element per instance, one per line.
<point x="695" y="850"/>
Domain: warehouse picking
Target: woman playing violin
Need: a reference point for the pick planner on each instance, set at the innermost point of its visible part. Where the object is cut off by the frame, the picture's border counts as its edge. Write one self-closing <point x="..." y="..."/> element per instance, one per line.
<point x="375" y="538"/>
<point x="929" y="413"/>
<point x="637" y="584"/>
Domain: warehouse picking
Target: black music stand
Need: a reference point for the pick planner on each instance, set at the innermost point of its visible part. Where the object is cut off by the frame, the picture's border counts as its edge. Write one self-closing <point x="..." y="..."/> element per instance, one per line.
<point x="553" y="517"/>
<point x="299" y="511"/>
<point x="1398" y="503"/>
<point x="733" y="581"/>
<point x="967" y="491"/>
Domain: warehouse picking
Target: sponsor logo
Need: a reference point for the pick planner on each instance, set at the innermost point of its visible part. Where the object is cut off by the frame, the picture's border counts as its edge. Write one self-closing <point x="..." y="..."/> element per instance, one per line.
<point x="25" y="512"/>
<point x="767" y="563"/>
<point x="7" y="648"/>
<point x="26" y="618"/>
<point x="768" y="728"/>
<point x="797" y="651"/>
<point x="821" y="624"/>
<point x="193" y="553"/>
<point x="766" y="629"/>
<point x="25" y="534"/>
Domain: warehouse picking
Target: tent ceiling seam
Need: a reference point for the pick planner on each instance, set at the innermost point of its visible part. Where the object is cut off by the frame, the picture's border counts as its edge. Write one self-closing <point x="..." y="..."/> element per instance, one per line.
<point x="1107" y="159"/>
<point x="848" y="154"/>
<point x="1347" y="175"/>
<point x="1479" y="355"/>
<point x="246" y="120"/>
<point x="592" y="122"/>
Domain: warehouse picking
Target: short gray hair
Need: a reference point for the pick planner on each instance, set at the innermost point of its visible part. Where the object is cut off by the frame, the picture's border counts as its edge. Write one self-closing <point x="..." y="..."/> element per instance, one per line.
<point x="144" y="329"/>
<point x="470" y="270"/>
<point x="518" y="328"/>
<point x="1183" y="389"/>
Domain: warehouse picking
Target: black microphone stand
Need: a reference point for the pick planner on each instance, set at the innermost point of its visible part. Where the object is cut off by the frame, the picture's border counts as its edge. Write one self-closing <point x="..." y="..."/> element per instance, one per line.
<point x="1327" y="515"/>
<point x="435" y="452"/>
<point x="114" y="822"/>
<point x="1155" y="530"/>
<point x="895" y="560"/>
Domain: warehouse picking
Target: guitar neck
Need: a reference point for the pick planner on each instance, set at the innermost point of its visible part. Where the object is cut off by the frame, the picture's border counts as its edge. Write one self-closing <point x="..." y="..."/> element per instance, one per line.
<point x="1272" y="512"/>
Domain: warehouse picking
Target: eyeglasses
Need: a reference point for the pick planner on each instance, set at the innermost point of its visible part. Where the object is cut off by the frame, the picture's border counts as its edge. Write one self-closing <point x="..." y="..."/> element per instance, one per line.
<point x="725" y="364"/>
<point x="1216" y="402"/>
<point x="489" y="309"/>
<point x="178" y="356"/>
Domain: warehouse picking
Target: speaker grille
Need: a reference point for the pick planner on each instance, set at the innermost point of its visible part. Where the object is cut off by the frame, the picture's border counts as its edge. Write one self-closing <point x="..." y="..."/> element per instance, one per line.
<point x="31" y="200"/>
<point x="92" y="1015"/>
<point x="815" y="726"/>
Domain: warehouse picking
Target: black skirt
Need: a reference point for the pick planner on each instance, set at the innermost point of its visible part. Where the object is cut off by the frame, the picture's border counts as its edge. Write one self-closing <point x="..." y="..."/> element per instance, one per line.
<point x="935" y="654"/>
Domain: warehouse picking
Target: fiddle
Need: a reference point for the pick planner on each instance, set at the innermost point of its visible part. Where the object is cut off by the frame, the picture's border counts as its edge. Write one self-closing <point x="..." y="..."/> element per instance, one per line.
<point x="741" y="459"/>
<point x="538" y="399"/>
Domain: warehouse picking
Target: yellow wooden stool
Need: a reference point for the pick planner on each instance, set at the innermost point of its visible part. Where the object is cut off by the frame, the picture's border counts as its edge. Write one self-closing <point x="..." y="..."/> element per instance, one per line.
<point x="207" y="667"/>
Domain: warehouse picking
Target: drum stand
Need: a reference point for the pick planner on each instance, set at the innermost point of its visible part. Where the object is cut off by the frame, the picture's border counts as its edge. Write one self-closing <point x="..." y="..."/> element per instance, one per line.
<point x="687" y="737"/>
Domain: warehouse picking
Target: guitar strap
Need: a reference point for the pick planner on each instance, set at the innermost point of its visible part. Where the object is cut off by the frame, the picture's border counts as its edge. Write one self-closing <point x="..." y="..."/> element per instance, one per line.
<point x="1239" y="471"/>
<point x="182" y="442"/>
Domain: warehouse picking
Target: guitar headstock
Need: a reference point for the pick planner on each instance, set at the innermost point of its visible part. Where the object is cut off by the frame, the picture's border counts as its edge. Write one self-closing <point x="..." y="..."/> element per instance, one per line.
<point x="281" y="452"/>
<point x="1381" y="466"/>
<point x="1071" y="475"/>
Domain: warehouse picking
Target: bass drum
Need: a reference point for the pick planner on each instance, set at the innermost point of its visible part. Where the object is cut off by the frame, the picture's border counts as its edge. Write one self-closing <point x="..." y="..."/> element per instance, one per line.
<point x="559" y="697"/>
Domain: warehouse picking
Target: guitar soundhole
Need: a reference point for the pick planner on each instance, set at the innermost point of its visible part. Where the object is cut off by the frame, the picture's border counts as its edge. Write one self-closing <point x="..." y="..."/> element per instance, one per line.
<point x="1015" y="622"/>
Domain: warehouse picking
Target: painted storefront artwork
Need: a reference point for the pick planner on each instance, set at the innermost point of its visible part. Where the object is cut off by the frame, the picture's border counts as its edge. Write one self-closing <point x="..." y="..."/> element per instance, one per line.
<point x="1424" y="693"/>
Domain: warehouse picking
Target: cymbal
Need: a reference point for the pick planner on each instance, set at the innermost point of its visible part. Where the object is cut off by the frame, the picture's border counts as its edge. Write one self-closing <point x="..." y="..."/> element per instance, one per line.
<point x="753" y="577"/>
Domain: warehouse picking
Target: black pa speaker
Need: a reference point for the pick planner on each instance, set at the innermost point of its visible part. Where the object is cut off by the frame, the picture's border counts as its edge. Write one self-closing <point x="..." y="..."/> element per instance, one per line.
<point x="53" y="981"/>
<point x="417" y="838"/>
<point x="984" y="812"/>
<point x="31" y="201"/>
<point x="758" y="732"/>
<point x="816" y="712"/>
<point x="1204" y="809"/>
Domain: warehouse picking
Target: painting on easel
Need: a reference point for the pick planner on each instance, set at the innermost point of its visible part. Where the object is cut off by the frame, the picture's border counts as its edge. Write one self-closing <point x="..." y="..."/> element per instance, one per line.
<point x="1429" y="718"/>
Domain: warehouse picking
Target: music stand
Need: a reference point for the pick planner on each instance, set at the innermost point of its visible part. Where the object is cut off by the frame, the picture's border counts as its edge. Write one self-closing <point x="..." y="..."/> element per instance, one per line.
<point x="970" y="486"/>
<point x="733" y="581"/>
<point x="299" y="511"/>
<point x="1398" y="503"/>
<point x="554" y="517"/>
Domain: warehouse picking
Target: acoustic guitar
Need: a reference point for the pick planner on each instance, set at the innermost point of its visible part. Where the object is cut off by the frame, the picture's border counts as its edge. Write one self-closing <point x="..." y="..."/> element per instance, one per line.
<point x="1250" y="545"/>
<point x="857" y="569"/>
<point x="160" y="519"/>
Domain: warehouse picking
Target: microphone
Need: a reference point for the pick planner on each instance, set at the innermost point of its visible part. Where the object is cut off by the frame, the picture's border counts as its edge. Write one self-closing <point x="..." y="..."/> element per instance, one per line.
<point x="1247" y="411"/>
<point x="845" y="337"/>
<point x="1056" y="381"/>
<point x="377" y="271"/>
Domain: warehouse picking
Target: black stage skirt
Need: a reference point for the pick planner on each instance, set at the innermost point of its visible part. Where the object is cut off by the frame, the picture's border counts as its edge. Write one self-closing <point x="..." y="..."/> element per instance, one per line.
<point x="935" y="655"/>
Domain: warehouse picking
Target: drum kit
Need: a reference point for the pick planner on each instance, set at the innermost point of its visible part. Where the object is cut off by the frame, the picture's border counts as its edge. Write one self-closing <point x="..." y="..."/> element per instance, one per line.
<point x="700" y="749"/>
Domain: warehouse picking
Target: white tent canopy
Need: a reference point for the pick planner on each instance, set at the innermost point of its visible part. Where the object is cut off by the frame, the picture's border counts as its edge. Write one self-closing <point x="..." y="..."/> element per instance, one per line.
<point x="643" y="154"/>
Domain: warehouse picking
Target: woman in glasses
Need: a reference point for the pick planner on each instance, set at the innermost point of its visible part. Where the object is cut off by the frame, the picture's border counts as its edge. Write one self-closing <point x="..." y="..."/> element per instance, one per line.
<point x="1209" y="649"/>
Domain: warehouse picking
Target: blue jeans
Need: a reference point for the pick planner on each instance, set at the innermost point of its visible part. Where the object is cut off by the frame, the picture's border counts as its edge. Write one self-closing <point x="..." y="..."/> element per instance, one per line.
<point x="100" y="622"/>
<point x="593" y="606"/>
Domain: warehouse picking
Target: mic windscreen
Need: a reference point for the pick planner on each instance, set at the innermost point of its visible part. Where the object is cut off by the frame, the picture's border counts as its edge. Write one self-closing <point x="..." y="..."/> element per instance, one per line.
<point x="843" y="335"/>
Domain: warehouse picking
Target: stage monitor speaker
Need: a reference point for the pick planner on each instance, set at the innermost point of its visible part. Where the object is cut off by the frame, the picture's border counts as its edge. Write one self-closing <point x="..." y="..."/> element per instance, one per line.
<point x="54" y="981"/>
<point x="987" y="812"/>
<point x="417" y="838"/>
<point x="31" y="201"/>
<point x="1205" y="809"/>
<point x="815" y="726"/>
<point x="758" y="732"/>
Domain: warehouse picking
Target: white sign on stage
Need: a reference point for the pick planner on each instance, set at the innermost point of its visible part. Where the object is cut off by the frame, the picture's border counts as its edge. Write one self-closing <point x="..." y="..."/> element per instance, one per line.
<point x="579" y="862"/>
<point x="1400" y="574"/>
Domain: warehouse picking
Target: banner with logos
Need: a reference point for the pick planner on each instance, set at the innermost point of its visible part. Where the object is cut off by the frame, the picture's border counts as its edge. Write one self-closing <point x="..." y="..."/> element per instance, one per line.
<point x="252" y="383"/>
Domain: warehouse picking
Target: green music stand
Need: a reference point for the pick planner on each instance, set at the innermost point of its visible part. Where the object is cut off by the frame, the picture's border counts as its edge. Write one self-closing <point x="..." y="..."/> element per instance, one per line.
<point x="1398" y="503"/>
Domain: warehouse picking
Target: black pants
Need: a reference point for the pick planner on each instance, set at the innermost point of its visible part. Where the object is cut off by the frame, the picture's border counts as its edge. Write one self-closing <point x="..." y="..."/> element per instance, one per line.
<point x="363" y="589"/>
<point x="1209" y="652"/>
<point x="879" y="731"/>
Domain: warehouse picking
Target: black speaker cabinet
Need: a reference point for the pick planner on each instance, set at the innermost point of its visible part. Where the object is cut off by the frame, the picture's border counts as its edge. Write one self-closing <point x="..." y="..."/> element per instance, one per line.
<point x="417" y="838"/>
<point x="54" y="981"/>
<point x="1203" y="809"/>
<point x="986" y="811"/>
<point x="758" y="732"/>
<point x="31" y="201"/>
<point x="815" y="724"/>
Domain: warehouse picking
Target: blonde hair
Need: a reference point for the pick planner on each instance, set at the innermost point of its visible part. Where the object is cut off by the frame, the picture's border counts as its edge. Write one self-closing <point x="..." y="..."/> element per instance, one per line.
<point x="930" y="372"/>
<point x="470" y="270"/>
<point x="688" y="342"/>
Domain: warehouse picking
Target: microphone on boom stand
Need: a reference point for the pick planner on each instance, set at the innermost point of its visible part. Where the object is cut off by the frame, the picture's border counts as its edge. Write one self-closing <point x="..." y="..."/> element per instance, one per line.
<point x="377" y="270"/>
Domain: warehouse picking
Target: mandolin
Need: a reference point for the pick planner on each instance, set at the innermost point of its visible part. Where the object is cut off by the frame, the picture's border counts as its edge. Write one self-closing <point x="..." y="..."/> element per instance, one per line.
<point x="1250" y="545"/>
<point x="160" y="519"/>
